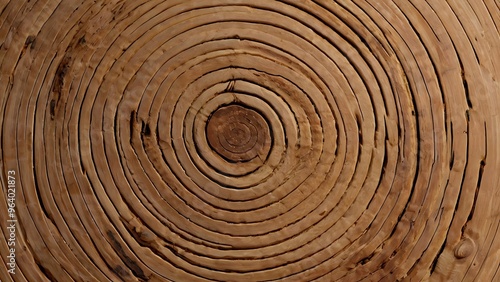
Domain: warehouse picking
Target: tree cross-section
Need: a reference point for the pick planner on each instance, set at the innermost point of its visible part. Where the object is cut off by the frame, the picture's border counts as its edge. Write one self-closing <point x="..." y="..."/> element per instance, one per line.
<point x="250" y="140"/>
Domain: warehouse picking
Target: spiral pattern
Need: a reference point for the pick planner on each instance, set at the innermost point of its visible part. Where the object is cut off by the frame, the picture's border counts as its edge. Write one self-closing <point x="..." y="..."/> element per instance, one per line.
<point x="236" y="140"/>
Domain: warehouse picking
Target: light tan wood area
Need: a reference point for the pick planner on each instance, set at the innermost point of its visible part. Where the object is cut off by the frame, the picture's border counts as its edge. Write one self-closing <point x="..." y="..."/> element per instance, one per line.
<point x="250" y="140"/>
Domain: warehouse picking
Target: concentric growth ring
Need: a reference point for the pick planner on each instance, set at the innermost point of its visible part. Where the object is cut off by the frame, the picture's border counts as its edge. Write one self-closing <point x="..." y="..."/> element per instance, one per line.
<point x="235" y="140"/>
<point x="238" y="133"/>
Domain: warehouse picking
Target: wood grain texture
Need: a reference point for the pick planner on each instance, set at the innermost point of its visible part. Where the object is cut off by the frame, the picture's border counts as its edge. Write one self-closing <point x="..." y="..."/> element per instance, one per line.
<point x="238" y="140"/>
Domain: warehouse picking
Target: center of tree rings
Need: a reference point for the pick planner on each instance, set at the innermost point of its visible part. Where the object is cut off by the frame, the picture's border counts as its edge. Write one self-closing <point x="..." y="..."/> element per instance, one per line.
<point x="238" y="133"/>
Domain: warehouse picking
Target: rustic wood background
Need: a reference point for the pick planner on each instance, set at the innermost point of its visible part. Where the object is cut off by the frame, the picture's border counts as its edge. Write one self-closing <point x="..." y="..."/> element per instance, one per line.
<point x="250" y="140"/>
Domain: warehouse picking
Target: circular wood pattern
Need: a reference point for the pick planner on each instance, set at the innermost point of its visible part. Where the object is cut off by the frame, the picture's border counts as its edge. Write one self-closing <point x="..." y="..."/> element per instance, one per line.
<point x="238" y="133"/>
<point x="238" y="140"/>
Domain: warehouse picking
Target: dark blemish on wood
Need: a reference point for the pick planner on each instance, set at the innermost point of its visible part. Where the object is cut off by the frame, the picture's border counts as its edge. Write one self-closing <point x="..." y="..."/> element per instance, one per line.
<point x="30" y="41"/>
<point x="121" y="271"/>
<point x="52" y="108"/>
<point x="82" y="41"/>
<point x="58" y="83"/>
<point x="365" y="260"/>
<point x="146" y="130"/>
<point x="45" y="271"/>
<point x="134" y="267"/>
<point x="132" y="121"/>
<point x="61" y="72"/>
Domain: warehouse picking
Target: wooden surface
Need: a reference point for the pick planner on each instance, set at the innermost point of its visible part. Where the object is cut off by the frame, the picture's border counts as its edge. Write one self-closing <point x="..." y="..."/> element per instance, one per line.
<point x="235" y="140"/>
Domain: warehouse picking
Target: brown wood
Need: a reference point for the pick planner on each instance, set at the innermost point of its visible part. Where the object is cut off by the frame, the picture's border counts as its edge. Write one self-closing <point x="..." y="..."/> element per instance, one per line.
<point x="238" y="133"/>
<point x="237" y="140"/>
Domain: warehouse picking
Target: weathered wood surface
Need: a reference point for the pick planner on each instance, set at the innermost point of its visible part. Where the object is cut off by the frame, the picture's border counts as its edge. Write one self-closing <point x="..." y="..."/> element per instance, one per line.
<point x="252" y="140"/>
